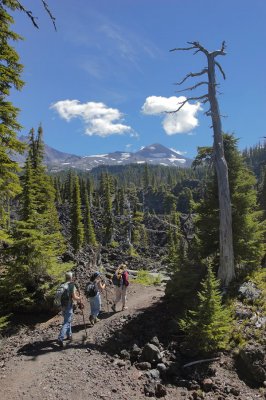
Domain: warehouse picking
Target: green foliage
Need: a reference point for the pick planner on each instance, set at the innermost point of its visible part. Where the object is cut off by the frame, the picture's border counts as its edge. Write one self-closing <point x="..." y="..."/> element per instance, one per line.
<point x="208" y="326"/>
<point x="4" y="322"/>
<point x="146" y="279"/>
<point x="132" y="252"/>
<point x="77" y="228"/>
<point x="184" y="283"/>
<point x="259" y="278"/>
<point x="37" y="241"/>
<point x="10" y="72"/>
<point x="247" y="230"/>
<point x="89" y="234"/>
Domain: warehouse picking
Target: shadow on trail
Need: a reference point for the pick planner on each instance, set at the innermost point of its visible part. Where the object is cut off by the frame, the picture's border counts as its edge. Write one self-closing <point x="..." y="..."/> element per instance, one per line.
<point x="39" y="348"/>
<point x="127" y="330"/>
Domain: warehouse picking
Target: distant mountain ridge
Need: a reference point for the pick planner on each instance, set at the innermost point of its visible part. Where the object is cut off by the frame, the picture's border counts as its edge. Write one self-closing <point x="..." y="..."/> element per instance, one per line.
<point x="155" y="154"/>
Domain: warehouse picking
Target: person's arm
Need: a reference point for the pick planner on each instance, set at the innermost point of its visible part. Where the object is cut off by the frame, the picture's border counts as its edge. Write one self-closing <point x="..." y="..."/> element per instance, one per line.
<point x="101" y="285"/>
<point x="75" y="295"/>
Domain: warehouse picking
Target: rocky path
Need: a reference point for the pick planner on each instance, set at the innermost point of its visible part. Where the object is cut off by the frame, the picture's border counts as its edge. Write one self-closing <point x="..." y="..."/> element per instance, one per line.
<point x="32" y="366"/>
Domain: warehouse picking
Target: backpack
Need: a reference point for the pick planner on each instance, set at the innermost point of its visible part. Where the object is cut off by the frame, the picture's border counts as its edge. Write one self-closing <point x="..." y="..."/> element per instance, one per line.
<point x="91" y="289"/>
<point x="117" y="278"/>
<point x="62" y="295"/>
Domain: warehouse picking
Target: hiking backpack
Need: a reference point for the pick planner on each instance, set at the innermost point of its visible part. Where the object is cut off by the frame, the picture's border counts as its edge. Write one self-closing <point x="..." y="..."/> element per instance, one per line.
<point x="117" y="278"/>
<point x="62" y="295"/>
<point x="91" y="289"/>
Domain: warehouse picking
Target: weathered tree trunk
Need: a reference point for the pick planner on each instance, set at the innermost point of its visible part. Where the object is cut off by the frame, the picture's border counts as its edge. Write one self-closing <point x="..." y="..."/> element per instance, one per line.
<point x="226" y="268"/>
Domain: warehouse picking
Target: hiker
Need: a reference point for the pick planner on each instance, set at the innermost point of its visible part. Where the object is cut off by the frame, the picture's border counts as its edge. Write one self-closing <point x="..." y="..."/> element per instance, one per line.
<point x="120" y="281"/>
<point x="93" y="293"/>
<point x="67" y="309"/>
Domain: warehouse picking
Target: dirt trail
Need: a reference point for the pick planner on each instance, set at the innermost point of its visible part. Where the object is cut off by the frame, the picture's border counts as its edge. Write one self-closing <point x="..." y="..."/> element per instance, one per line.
<point x="33" y="367"/>
<point x="38" y="369"/>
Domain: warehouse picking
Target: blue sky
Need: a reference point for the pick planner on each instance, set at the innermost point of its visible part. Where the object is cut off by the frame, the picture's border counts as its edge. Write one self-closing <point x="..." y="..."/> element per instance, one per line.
<point x="102" y="81"/>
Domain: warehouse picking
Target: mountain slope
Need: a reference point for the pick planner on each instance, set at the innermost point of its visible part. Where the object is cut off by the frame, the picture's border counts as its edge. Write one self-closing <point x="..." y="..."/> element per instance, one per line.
<point x="155" y="154"/>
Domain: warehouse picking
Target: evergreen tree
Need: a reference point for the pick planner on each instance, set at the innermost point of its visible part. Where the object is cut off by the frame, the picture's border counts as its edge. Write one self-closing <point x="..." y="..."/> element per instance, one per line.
<point x="247" y="231"/>
<point x="37" y="238"/>
<point x="89" y="234"/>
<point x="107" y="208"/>
<point x="77" y="228"/>
<point x="69" y="185"/>
<point x="173" y="243"/>
<point x="208" y="327"/>
<point x="146" y="177"/>
<point x="10" y="72"/>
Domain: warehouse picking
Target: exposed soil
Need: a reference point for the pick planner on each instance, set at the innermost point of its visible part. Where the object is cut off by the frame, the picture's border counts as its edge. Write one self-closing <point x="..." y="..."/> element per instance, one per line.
<point x="32" y="365"/>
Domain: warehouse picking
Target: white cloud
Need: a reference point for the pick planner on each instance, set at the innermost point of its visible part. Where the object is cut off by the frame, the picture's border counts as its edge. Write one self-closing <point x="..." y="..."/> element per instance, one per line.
<point x="97" y="117"/>
<point x="182" y="121"/>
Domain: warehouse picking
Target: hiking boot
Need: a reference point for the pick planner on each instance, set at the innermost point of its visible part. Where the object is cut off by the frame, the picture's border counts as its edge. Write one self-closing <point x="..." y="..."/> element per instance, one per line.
<point x="96" y="320"/>
<point x="69" y="338"/>
<point x="91" y="320"/>
<point x="60" y="343"/>
<point x="124" y="308"/>
<point x="113" y="308"/>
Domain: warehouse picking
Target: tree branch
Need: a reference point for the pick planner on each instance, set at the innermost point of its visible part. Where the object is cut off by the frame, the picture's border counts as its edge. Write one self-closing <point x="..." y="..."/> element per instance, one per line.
<point x="201" y="361"/>
<point x="192" y="75"/>
<point x="31" y="16"/>
<point x="193" y="87"/>
<point x="182" y="48"/>
<point x="220" y="52"/>
<point x="49" y="13"/>
<point x="203" y="99"/>
<point x="220" y="68"/>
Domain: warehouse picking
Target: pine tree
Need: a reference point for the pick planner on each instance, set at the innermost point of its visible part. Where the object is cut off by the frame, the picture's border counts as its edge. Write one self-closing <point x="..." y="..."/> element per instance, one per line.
<point x="10" y="72"/>
<point x="247" y="230"/>
<point x="89" y="234"/>
<point x="77" y="228"/>
<point x="208" y="327"/>
<point x="37" y="239"/>
<point x="107" y="208"/>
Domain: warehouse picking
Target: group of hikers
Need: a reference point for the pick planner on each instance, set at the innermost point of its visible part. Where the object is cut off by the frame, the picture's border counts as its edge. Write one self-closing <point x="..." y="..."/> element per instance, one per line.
<point x="93" y="291"/>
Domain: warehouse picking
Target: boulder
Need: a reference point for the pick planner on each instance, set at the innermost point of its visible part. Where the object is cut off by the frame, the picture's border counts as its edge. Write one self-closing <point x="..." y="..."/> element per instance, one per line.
<point x="253" y="362"/>
<point x="151" y="353"/>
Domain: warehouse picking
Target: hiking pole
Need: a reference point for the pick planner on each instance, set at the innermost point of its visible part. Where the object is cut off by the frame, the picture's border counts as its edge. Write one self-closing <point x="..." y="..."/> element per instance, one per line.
<point x="82" y="308"/>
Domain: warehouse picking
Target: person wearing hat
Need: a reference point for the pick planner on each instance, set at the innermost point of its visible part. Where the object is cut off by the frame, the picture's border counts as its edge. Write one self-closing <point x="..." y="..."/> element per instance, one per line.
<point x="95" y="301"/>
<point x="67" y="310"/>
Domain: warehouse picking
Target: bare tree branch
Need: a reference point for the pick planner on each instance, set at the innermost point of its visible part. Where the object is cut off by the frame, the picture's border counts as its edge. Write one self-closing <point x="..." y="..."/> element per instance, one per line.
<point x="220" y="52"/>
<point x="192" y="75"/>
<point x="201" y="361"/>
<point x="199" y="47"/>
<point x="203" y="99"/>
<point x="162" y="221"/>
<point x="29" y="14"/>
<point x="32" y="17"/>
<point x="220" y="68"/>
<point x="193" y="87"/>
<point x="49" y="13"/>
<point x="182" y="48"/>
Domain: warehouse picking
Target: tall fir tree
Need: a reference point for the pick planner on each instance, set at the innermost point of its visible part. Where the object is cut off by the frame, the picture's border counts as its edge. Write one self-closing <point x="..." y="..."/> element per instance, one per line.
<point x="107" y="209"/>
<point x="37" y="239"/>
<point x="247" y="230"/>
<point x="89" y="234"/>
<point x="10" y="73"/>
<point x="77" y="227"/>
